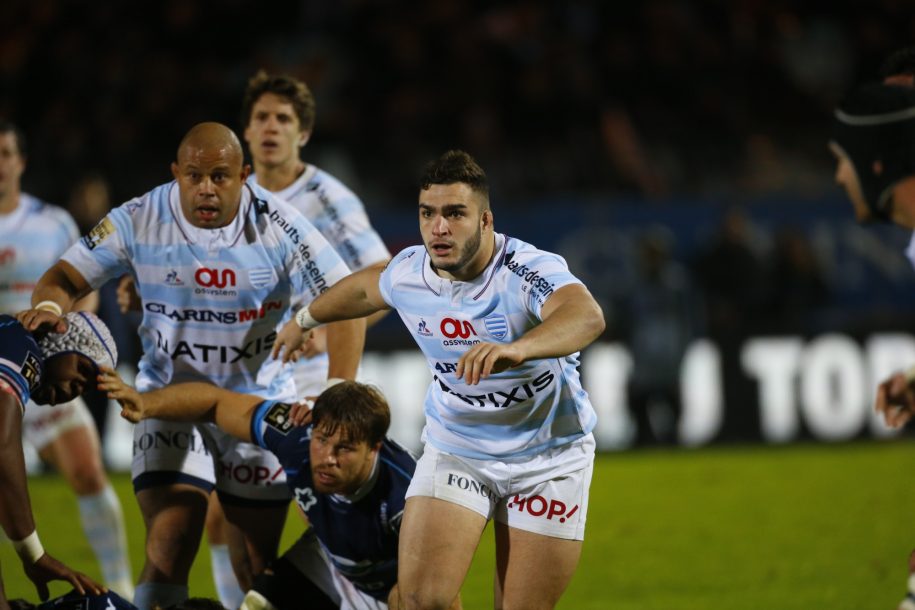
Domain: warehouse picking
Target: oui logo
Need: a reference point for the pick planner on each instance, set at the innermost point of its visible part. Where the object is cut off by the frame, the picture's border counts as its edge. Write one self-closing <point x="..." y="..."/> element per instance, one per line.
<point x="452" y="328"/>
<point x="214" y="278"/>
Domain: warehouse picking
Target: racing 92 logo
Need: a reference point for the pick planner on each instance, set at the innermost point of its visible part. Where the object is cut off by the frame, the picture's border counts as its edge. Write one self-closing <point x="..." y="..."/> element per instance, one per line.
<point x="214" y="278"/>
<point x="452" y="328"/>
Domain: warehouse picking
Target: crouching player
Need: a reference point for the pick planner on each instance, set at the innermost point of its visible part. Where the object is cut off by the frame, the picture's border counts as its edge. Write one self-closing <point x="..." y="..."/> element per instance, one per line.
<point x="348" y="479"/>
<point x="59" y="370"/>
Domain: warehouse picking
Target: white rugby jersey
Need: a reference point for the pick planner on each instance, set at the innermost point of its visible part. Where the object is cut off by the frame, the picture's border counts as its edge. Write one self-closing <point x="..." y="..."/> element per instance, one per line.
<point x="341" y="218"/>
<point x="212" y="298"/>
<point x="32" y="238"/>
<point x="520" y="411"/>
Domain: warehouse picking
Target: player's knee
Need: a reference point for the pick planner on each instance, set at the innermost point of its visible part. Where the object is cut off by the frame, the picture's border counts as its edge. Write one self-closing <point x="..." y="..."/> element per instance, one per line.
<point x="87" y="478"/>
<point x="425" y="599"/>
<point x="170" y="551"/>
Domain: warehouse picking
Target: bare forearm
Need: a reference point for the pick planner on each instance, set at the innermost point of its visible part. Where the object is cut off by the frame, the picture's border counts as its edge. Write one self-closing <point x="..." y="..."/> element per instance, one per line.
<point x="570" y="328"/>
<point x="15" y="507"/>
<point x="61" y="284"/>
<point x="181" y="402"/>
<point x="355" y="296"/>
<point x="345" y="342"/>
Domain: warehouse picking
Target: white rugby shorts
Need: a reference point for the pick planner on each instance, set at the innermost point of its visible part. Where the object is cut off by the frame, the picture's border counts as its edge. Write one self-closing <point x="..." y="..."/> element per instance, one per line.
<point x="204" y="456"/>
<point x="545" y="494"/>
<point x="42" y="424"/>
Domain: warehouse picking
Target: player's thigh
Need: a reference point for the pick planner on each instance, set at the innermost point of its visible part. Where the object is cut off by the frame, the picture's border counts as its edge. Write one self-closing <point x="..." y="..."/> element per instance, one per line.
<point x="437" y="541"/>
<point x="532" y="570"/>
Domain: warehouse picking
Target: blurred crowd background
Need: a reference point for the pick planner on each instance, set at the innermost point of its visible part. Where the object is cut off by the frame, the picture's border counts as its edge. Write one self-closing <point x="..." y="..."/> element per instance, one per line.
<point x="673" y="151"/>
<point x="652" y="99"/>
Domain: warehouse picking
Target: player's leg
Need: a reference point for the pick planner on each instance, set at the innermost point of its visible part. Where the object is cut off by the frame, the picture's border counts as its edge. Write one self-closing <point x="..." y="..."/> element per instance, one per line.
<point x="227" y="588"/>
<point x="174" y="516"/>
<point x="254" y="537"/>
<point x="254" y="498"/>
<point x="540" y="525"/>
<point x="172" y="477"/>
<point x="437" y="543"/>
<point x="532" y="570"/>
<point x="65" y="437"/>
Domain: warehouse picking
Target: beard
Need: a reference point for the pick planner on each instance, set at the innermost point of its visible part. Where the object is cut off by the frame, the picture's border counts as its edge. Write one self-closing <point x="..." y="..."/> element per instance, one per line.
<point x="470" y="249"/>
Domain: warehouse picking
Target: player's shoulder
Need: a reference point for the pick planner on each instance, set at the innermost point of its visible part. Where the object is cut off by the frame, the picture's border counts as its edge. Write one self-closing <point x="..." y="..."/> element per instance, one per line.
<point x="47" y="213"/>
<point x="277" y="212"/>
<point x="21" y="360"/>
<point x="408" y="260"/>
<point x="398" y="458"/>
<point x="333" y="187"/>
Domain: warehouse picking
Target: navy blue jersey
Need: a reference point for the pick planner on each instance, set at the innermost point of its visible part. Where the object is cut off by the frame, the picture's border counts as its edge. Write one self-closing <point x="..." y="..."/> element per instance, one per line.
<point x="359" y="537"/>
<point x="21" y="362"/>
<point x="75" y="601"/>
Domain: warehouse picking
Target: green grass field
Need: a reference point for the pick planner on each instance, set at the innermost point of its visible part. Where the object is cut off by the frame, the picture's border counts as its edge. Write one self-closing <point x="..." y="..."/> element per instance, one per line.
<point x="808" y="526"/>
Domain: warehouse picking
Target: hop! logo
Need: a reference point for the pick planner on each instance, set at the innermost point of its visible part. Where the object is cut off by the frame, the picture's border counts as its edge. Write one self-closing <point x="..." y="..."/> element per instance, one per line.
<point x="538" y="506"/>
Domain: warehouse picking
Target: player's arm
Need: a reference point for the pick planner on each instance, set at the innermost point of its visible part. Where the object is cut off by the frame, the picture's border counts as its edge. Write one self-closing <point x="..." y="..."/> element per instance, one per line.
<point x="571" y="320"/>
<point x="56" y="293"/>
<point x="193" y="402"/>
<point x="355" y="296"/>
<point x="16" y="509"/>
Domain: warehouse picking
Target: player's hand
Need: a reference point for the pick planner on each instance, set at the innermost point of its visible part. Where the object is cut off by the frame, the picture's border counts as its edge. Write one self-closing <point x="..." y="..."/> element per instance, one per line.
<point x="47" y="569"/>
<point x="128" y="299"/>
<point x="127" y="396"/>
<point x="896" y="400"/>
<point x="41" y="321"/>
<point x="289" y="342"/>
<point x="315" y="344"/>
<point x="483" y="359"/>
<point x="300" y="414"/>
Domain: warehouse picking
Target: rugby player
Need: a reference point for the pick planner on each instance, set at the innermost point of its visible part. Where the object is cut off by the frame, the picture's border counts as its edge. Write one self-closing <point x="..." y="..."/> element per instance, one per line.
<point x="58" y="370"/>
<point x="33" y="235"/>
<point x="508" y="425"/>
<point x="217" y="263"/>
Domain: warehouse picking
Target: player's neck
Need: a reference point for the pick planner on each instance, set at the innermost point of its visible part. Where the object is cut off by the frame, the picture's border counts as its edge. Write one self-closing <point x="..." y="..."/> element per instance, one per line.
<point x="477" y="264"/>
<point x="9" y="201"/>
<point x="279" y="177"/>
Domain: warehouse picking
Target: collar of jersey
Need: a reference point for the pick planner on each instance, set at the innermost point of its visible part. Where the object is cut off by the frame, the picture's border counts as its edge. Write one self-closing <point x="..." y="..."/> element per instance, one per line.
<point x="289" y="193"/>
<point x="229" y="233"/>
<point x="434" y="282"/>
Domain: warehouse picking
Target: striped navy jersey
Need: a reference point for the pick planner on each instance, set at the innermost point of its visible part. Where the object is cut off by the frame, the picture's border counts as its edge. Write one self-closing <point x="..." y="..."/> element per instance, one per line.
<point x="32" y="238"/>
<point x="21" y="361"/>
<point x="358" y="534"/>
<point x="341" y="218"/>
<point x="518" y="412"/>
<point x="212" y="298"/>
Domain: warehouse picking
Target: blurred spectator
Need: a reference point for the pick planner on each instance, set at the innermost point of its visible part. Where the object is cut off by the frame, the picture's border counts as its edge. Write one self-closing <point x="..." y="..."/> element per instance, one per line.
<point x="657" y="322"/>
<point x="798" y="287"/>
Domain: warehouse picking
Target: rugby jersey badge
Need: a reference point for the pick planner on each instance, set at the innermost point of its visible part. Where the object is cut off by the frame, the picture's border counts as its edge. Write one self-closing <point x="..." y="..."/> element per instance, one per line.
<point x="277" y="417"/>
<point x="496" y="325"/>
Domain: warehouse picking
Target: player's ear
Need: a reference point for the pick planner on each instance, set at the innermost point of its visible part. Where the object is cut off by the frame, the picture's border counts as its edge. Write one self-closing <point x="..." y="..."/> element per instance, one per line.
<point x="486" y="219"/>
<point x="245" y="172"/>
<point x="175" y="171"/>
<point x="303" y="138"/>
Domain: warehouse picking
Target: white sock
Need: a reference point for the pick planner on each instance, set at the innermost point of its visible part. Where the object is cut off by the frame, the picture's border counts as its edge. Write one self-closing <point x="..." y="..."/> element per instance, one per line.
<point x="152" y="594"/>
<point x="227" y="588"/>
<point x="103" y="523"/>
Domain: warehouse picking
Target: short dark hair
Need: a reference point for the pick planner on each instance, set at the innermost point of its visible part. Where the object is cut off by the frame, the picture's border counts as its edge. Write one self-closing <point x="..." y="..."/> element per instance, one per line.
<point x="455" y="166"/>
<point x="899" y="62"/>
<point x="10" y="127"/>
<point x="359" y="409"/>
<point x="291" y="88"/>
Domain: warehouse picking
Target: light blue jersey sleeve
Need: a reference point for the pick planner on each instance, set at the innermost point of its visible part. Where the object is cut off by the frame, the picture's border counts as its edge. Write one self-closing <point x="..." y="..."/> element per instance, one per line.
<point x="537" y="275"/>
<point x="403" y="263"/>
<point x="106" y="251"/>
